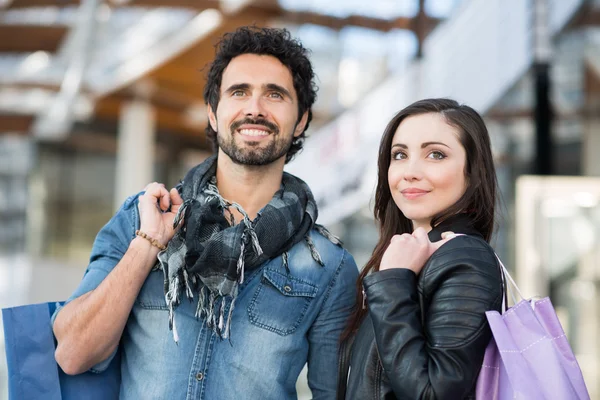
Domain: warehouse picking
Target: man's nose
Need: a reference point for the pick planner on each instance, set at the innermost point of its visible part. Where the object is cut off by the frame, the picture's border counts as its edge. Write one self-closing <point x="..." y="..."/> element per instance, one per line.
<point x="254" y="107"/>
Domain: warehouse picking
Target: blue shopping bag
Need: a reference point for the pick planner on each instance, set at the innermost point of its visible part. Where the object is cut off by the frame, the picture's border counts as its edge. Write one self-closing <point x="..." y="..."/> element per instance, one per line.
<point x="32" y="370"/>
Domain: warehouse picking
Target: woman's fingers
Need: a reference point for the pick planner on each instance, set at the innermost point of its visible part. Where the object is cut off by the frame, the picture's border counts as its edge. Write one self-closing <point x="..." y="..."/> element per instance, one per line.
<point x="448" y="235"/>
<point x="420" y="234"/>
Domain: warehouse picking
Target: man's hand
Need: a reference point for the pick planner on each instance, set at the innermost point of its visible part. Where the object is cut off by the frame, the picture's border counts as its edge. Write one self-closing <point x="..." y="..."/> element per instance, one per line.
<point x="411" y="251"/>
<point x="155" y="221"/>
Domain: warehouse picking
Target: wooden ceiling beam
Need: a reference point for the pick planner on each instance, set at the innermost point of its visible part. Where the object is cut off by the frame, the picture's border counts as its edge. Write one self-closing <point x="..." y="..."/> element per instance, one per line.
<point x="273" y="10"/>
<point x="190" y="4"/>
<point x="28" y="38"/>
<point x="337" y="23"/>
<point x="589" y="16"/>
<point x="14" y="123"/>
<point x="41" y="3"/>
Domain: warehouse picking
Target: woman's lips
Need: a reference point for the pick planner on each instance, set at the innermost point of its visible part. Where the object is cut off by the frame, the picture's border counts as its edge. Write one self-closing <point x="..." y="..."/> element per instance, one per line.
<point x="413" y="193"/>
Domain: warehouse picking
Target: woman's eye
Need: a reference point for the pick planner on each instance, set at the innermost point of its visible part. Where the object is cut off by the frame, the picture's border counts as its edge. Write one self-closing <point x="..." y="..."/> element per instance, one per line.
<point x="398" y="156"/>
<point x="437" y="155"/>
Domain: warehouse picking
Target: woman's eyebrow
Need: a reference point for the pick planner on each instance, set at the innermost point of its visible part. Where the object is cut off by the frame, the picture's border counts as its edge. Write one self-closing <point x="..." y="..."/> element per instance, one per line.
<point x="423" y="145"/>
<point x="433" y="143"/>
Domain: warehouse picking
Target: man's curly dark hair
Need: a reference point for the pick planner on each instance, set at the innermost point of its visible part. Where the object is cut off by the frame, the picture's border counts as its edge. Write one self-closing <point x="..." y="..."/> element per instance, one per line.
<point x="264" y="41"/>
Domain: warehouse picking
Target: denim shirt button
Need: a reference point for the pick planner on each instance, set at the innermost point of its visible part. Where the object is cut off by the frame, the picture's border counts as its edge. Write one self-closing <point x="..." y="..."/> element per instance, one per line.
<point x="287" y="288"/>
<point x="199" y="376"/>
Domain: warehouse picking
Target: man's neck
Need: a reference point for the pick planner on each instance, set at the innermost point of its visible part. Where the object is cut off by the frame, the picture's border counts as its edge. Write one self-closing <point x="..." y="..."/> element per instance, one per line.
<point x="252" y="187"/>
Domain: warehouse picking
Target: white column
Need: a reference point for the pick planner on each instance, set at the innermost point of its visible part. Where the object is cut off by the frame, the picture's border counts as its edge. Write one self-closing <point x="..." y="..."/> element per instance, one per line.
<point x="135" y="150"/>
<point x="591" y="147"/>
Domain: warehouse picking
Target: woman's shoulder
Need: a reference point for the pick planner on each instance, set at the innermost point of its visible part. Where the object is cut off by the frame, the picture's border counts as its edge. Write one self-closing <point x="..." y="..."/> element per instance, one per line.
<point x="464" y="253"/>
<point x="463" y="244"/>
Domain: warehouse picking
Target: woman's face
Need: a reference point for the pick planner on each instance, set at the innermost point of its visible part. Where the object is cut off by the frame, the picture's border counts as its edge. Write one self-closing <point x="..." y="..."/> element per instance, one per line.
<point x="427" y="168"/>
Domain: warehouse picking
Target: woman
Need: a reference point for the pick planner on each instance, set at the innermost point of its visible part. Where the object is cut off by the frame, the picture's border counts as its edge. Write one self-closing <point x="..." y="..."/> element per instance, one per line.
<point x="421" y="332"/>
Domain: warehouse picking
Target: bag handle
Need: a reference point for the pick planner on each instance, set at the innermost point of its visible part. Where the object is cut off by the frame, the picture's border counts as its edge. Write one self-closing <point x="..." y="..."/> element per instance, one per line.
<point x="506" y="276"/>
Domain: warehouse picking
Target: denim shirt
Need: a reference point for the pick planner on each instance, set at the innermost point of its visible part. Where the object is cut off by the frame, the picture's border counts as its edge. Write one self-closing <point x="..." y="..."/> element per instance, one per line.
<point x="281" y="320"/>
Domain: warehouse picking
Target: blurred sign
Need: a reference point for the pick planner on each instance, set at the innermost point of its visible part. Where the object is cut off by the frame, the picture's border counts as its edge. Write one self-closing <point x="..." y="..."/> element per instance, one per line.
<point x="473" y="57"/>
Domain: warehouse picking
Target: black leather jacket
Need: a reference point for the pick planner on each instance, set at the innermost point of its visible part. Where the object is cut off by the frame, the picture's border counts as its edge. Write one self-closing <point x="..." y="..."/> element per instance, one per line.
<point x="425" y="337"/>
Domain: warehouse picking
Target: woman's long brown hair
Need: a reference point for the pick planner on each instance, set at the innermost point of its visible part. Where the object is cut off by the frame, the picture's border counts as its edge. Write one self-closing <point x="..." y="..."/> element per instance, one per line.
<point x="478" y="200"/>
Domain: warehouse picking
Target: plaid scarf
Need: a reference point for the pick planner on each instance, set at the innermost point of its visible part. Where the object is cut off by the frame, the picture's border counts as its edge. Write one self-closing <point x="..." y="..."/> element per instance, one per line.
<point x="210" y="254"/>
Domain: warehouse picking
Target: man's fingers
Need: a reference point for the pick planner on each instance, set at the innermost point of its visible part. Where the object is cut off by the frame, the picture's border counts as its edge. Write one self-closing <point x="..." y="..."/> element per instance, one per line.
<point x="165" y="200"/>
<point x="176" y="199"/>
<point x="155" y="189"/>
<point x="153" y="186"/>
<point x="157" y="195"/>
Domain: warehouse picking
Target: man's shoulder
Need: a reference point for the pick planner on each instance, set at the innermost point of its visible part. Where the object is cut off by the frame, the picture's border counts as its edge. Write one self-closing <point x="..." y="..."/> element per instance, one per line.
<point x="330" y="244"/>
<point x="329" y="250"/>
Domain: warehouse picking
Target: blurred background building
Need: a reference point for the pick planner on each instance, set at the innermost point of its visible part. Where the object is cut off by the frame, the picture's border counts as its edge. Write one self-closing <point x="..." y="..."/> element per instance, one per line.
<point x="98" y="98"/>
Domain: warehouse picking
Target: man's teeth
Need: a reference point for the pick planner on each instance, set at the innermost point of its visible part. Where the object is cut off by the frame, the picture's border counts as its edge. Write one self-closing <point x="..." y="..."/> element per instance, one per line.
<point x="253" y="132"/>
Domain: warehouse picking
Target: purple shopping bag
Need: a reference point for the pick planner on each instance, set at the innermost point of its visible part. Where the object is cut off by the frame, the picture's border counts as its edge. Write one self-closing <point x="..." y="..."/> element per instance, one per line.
<point x="529" y="356"/>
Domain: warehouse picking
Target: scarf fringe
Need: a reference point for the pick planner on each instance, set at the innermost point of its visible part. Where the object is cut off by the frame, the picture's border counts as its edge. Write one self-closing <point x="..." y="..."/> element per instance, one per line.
<point x="228" y="325"/>
<point x="313" y="250"/>
<point x="188" y="289"/>
<point x="181" y="212"/>
<point x="328" y="235"/>
<point x="241" y="262"/>
<point x="172" y="300"/>
<point x="201" y="308"/>
<point x="214" y="308"/>
<point x="285" y="257"/>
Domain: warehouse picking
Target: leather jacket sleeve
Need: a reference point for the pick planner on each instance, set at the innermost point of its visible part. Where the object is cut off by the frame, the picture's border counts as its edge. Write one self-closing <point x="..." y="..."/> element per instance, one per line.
<point x="433" y="348"/>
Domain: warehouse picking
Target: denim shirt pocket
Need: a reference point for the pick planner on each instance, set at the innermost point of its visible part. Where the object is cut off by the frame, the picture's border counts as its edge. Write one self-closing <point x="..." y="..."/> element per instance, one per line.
<point x="280" y="302"/>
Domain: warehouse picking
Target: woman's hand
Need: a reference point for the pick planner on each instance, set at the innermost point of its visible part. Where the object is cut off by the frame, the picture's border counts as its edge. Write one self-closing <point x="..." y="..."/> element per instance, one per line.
<point x="411" y="251"/>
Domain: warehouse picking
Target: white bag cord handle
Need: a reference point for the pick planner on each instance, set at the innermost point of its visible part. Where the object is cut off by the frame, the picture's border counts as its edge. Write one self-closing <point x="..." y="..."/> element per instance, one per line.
<point x="505" y="276"/>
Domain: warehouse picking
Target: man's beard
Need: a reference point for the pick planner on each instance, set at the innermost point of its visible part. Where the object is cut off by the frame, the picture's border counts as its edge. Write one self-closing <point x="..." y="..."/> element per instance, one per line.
<point x="252" y="153"/>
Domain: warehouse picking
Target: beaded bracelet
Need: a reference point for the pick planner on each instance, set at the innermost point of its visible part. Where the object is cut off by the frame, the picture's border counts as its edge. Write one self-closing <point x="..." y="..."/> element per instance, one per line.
<point x="153" y="241"/>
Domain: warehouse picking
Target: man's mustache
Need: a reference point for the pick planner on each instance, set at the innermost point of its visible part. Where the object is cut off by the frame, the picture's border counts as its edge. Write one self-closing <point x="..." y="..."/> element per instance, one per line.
<point x="259" y="121"/>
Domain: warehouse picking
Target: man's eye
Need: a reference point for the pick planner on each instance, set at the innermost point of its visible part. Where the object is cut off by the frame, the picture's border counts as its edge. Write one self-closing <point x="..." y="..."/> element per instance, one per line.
<point x="275" y="95"/>
<point x="238" y="93"/>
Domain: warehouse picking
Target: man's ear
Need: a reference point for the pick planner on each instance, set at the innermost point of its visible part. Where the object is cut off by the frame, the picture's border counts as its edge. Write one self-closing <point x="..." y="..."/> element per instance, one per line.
<point x="301" y="125"/>
<point x="212" y="118"/>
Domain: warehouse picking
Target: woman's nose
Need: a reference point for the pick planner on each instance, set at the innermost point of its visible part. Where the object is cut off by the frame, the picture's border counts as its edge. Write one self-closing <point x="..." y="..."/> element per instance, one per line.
<point x="413" y="170"/>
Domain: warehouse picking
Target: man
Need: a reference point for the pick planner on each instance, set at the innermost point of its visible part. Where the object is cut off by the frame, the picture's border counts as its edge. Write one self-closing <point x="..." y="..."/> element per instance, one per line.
<point x="268" y="289"/>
